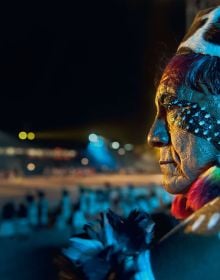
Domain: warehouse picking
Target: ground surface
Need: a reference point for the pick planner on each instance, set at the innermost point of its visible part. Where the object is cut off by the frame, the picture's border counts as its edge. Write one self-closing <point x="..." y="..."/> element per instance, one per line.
<point x="32" y="258"/>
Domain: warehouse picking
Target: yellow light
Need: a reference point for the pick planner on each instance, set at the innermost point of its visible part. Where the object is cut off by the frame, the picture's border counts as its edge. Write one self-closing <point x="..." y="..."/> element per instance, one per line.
<point x="10" y="151"/>
<point x="22" y="135"/>
<point x="31" y="136"/>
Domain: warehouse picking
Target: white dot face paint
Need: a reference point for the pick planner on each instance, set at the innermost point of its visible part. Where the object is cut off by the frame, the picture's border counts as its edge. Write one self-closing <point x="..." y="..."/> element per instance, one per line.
<point x="196" y="120"/>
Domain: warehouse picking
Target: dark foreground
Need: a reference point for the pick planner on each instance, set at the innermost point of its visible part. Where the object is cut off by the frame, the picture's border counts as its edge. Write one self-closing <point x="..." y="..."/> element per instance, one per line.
<point x="31" y="257"/>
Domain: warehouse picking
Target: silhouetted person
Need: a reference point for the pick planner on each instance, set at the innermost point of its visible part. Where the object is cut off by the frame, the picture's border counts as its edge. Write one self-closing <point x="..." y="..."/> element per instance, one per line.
<point x="22" y="222"/>
<point x="7" y="225"/>
<point x="32" y="211"/>
<point x="66" y="206"/>
<point x="78" y="219"/>
<point x="42" y="209"/>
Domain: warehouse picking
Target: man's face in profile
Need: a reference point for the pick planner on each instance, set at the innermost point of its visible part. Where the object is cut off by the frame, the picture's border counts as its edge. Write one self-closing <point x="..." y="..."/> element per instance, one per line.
<point x="183" y="131"/>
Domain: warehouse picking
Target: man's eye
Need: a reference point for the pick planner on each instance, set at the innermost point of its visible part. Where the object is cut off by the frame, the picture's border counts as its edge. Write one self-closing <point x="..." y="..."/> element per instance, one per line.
<point x="178" y="113"/>
<point x="171" y="103"/>
<point x="171" y="107"/>
<point x="178" y="106"/>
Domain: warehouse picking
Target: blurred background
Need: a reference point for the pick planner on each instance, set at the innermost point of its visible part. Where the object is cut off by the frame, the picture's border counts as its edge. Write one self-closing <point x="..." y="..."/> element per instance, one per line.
<point x="77" y="85"/>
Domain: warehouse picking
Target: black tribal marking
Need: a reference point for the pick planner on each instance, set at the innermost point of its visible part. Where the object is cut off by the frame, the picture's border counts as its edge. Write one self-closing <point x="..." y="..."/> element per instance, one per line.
<point x="193" y="118"/>
<point x="212" y="35"/>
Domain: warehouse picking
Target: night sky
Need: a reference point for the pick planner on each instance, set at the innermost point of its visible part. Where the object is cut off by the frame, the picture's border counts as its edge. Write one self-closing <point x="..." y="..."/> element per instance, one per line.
<point x="86" y="66"/>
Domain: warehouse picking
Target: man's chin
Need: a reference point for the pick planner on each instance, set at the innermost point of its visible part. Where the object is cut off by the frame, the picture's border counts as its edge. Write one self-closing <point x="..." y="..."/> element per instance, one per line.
<point x="176" y="184"/>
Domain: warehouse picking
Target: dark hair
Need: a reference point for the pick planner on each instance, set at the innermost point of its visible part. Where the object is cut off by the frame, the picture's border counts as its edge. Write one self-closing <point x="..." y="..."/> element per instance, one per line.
<point x="196" y="71"/>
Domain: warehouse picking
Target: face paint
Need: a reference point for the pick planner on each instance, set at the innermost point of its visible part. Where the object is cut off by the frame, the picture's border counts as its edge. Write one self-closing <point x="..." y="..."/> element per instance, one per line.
<point x="186" y="130"/>
<point x="191" y="117"/>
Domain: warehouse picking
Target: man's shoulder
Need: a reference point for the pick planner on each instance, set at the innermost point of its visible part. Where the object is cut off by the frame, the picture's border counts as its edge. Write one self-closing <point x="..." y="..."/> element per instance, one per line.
<point x="192" y="248"/>
<point x="205" y="221"/>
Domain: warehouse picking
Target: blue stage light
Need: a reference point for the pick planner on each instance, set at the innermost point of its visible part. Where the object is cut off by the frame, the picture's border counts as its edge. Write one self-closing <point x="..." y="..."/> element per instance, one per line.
<point x="98" y="151"/>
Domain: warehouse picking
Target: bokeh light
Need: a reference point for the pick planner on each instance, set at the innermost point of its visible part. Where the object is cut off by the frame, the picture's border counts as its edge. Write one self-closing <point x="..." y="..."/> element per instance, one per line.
<point x="31" y="166"/>
<point x="93" y="137"/>
<point x="31" y="136"/>
<point x="84" y="161"/>
<point x="129" y="147"/>
<point x="22" y="135"/>
<point x="115" y="145"/>
<point x="121" y="151"/>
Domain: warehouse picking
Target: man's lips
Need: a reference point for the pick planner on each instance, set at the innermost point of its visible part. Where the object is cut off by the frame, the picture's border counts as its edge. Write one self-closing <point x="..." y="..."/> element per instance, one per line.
<point x="161" y="162"/>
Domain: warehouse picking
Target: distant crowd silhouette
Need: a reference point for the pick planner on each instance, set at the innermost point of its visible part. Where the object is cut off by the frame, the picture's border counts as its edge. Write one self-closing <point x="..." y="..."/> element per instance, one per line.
<point x="35" y="213"/>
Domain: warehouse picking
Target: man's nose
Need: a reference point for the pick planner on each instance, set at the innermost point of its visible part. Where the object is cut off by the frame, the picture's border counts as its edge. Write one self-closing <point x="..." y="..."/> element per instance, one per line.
<point x="158" y="135"/>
